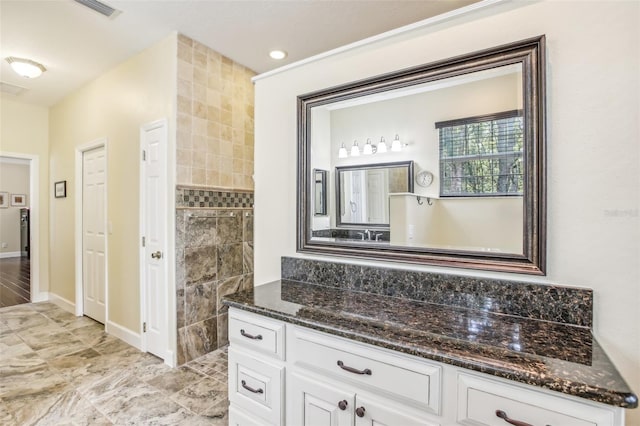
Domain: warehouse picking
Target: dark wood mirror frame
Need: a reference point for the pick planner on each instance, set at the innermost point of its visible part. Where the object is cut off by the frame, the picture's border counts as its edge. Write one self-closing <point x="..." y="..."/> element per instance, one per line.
<point x="530" y="53"/>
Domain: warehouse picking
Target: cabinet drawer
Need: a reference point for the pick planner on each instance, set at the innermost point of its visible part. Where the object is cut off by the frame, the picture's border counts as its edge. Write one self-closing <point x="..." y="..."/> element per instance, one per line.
<point x="396" y="376"/>
<point x="479" y="400"/>
<point x="256" y="386"/>
<point x="257" y="332"/>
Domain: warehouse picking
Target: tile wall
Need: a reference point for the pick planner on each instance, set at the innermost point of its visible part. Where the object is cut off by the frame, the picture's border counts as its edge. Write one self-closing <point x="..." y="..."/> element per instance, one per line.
<point x="214" y="199"/>
<point x="215" y="119"/>
<point x="214" y="257"/>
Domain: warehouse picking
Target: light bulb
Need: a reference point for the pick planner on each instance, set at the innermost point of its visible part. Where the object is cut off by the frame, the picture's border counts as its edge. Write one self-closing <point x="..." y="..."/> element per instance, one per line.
<point x="382" y="146"/>
<point x="355" y="149"/>
<point x="396" y="145"/>
<point x="342" y="152"/>
<point x="368" y="148"/>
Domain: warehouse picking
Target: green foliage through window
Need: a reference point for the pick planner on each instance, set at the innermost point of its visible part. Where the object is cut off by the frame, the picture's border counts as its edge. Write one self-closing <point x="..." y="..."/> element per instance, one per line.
<point x="482" y="156"/>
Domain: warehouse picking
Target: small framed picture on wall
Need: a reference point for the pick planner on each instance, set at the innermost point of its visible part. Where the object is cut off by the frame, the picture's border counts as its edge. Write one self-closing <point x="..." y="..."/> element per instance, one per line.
<point x="61" y="189"/>
<point x="4" y="200"/>
<point x="18" y="200"/>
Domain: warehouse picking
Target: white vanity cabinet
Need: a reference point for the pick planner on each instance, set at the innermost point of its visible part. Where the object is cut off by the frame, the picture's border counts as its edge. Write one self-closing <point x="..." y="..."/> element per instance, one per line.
<point x="284" y="374"/>
<point x="256" y="370"/>
<point x="318" y="401"/>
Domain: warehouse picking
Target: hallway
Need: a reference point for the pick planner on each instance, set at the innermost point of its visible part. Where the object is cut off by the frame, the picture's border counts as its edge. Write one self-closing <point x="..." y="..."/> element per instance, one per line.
<point x="59" y="369"/>
<point x="15" y="281"/>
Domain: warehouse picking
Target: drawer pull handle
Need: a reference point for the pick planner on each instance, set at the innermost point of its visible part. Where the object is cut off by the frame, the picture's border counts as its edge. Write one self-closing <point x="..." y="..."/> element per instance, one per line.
<point x="360" y="411"/>
<point x="353" y="370"/>
<point x="250" y="389"/>
<point x="250" y="336"/>
<point x="342" y="404"/>
<point x="503" y="416"/>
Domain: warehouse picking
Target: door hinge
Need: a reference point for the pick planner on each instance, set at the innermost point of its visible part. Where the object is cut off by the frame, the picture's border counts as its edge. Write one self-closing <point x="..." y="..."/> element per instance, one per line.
<point x="144" y="242"/>
<point x="144" y="155"/>
<point x="144" y="327"/>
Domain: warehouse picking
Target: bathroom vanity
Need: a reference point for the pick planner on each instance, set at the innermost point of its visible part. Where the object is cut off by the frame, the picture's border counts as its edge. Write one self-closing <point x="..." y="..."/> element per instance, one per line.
<point x="302" y="353"/>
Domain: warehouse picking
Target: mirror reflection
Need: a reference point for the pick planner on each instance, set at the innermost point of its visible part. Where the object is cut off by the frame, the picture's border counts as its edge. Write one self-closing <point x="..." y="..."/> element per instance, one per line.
<point x="363" y="192"/>
<point x="319" y="192"/>
<point x="465" y="136"/>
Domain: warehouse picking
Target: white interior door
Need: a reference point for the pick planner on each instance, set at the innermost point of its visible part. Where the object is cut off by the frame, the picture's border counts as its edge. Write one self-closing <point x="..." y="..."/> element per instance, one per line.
<point x="93" y="233"/>
<point x="154" y="234"/>
<point x="377" y="196"/>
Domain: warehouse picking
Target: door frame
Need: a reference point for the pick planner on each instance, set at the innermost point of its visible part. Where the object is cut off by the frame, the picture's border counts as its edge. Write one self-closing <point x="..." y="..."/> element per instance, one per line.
<point x="169" y="353"/>
<point x="79" y="156"/>
<point x="34" y="222"/>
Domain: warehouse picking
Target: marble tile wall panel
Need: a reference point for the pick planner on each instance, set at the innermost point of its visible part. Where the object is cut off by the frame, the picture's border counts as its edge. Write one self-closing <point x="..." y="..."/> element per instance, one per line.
<point x="214" y="258"/>
<point x="571" y="305"/>
<point x="215" y="119"/>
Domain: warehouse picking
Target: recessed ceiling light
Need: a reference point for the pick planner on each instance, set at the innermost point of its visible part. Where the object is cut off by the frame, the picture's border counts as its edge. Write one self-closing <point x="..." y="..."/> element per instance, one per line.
<point x="278" y="54"/>
<point x="26" y="67"/>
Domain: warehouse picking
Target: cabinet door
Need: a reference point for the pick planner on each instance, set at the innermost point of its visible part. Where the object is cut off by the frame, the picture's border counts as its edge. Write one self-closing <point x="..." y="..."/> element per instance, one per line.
<point x="317" y="403"/>
<point x="383" y="412"/>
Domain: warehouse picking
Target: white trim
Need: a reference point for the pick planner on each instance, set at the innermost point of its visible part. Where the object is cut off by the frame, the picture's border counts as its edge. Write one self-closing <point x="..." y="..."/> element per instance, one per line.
<point x="79" y="152"/>
<point x="34" y="220"/>
<point x="124" y="334"/>
<point x="168" y="254"/>
<point x="9" y="254"/>
<point x="438" y="19"/>
<point x="65" y="304"/>
<point x="11" y="160"/>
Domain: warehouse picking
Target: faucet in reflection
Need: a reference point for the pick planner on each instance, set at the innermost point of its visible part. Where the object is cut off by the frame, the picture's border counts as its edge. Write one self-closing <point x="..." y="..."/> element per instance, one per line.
<point x="367" y="235"/>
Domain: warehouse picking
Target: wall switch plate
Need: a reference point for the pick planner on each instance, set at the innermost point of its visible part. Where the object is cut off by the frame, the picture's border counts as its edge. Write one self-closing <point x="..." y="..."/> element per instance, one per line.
<point x="4" y="245"/>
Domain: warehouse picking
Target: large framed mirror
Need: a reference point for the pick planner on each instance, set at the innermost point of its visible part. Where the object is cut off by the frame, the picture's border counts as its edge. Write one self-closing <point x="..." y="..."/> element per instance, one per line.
<point x="470" y="132"/>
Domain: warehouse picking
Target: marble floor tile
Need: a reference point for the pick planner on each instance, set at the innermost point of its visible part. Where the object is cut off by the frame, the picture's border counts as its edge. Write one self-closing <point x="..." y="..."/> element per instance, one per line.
<point x="58" y="369"/>
<point x="201" y="396"/>
<point x="176" y="379"/>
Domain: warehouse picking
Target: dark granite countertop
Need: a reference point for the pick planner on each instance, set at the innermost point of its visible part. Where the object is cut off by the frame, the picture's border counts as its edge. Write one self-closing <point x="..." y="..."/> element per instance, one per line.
<point x="555" y="356"/>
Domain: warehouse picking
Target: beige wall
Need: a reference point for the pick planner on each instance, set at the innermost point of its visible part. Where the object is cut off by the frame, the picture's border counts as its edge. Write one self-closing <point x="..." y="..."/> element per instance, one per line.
<point x="24" y="129"/>
<point x="14" y="179"/>
<point x="413" y="119"/>
<point x="593" y="187"/>
<point x="114" y="106"/>
<point x="215" y="119"/>
<point x="479" y="224"/>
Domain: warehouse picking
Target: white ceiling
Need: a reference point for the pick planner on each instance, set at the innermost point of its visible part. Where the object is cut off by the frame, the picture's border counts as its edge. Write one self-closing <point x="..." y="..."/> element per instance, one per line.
<point x="77" y="44"/>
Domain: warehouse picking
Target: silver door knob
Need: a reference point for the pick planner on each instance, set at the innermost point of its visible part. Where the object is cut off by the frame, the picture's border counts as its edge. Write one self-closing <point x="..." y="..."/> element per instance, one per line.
<point x="156" y="255"/>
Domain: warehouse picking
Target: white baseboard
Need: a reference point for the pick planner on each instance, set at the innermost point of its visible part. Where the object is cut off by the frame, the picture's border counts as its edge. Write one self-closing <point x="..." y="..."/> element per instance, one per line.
<point x="10" y="254"/>
<point x="65" y="304"/>
<point x="170" y="359"/>
<point x="129" y="336"/>
<point x="43" y="296"/>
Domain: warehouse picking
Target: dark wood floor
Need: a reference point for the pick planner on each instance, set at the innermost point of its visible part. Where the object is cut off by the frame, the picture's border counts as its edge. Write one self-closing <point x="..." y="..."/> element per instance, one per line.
<point x="15" y="281"/>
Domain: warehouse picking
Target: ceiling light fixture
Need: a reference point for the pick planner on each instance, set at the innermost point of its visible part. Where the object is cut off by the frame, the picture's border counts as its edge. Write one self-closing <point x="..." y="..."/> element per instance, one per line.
<point x="278" y="54"/>
<point x="26" y="67"/>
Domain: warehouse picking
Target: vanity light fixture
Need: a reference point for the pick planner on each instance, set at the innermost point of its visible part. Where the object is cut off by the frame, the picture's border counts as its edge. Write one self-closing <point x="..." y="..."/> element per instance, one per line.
<point x="369" y="148"/>
<point x="278" y="54"/>
<point x="26" y="68"/>
<point x="382" y="146"/>
<point x="396" y="145"/>
<point x="355" y="149"/>
<point x="342" y="152"/>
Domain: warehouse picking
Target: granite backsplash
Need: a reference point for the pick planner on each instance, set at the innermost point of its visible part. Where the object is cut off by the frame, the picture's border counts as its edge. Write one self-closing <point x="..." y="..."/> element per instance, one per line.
<point x="568" y="305"/>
